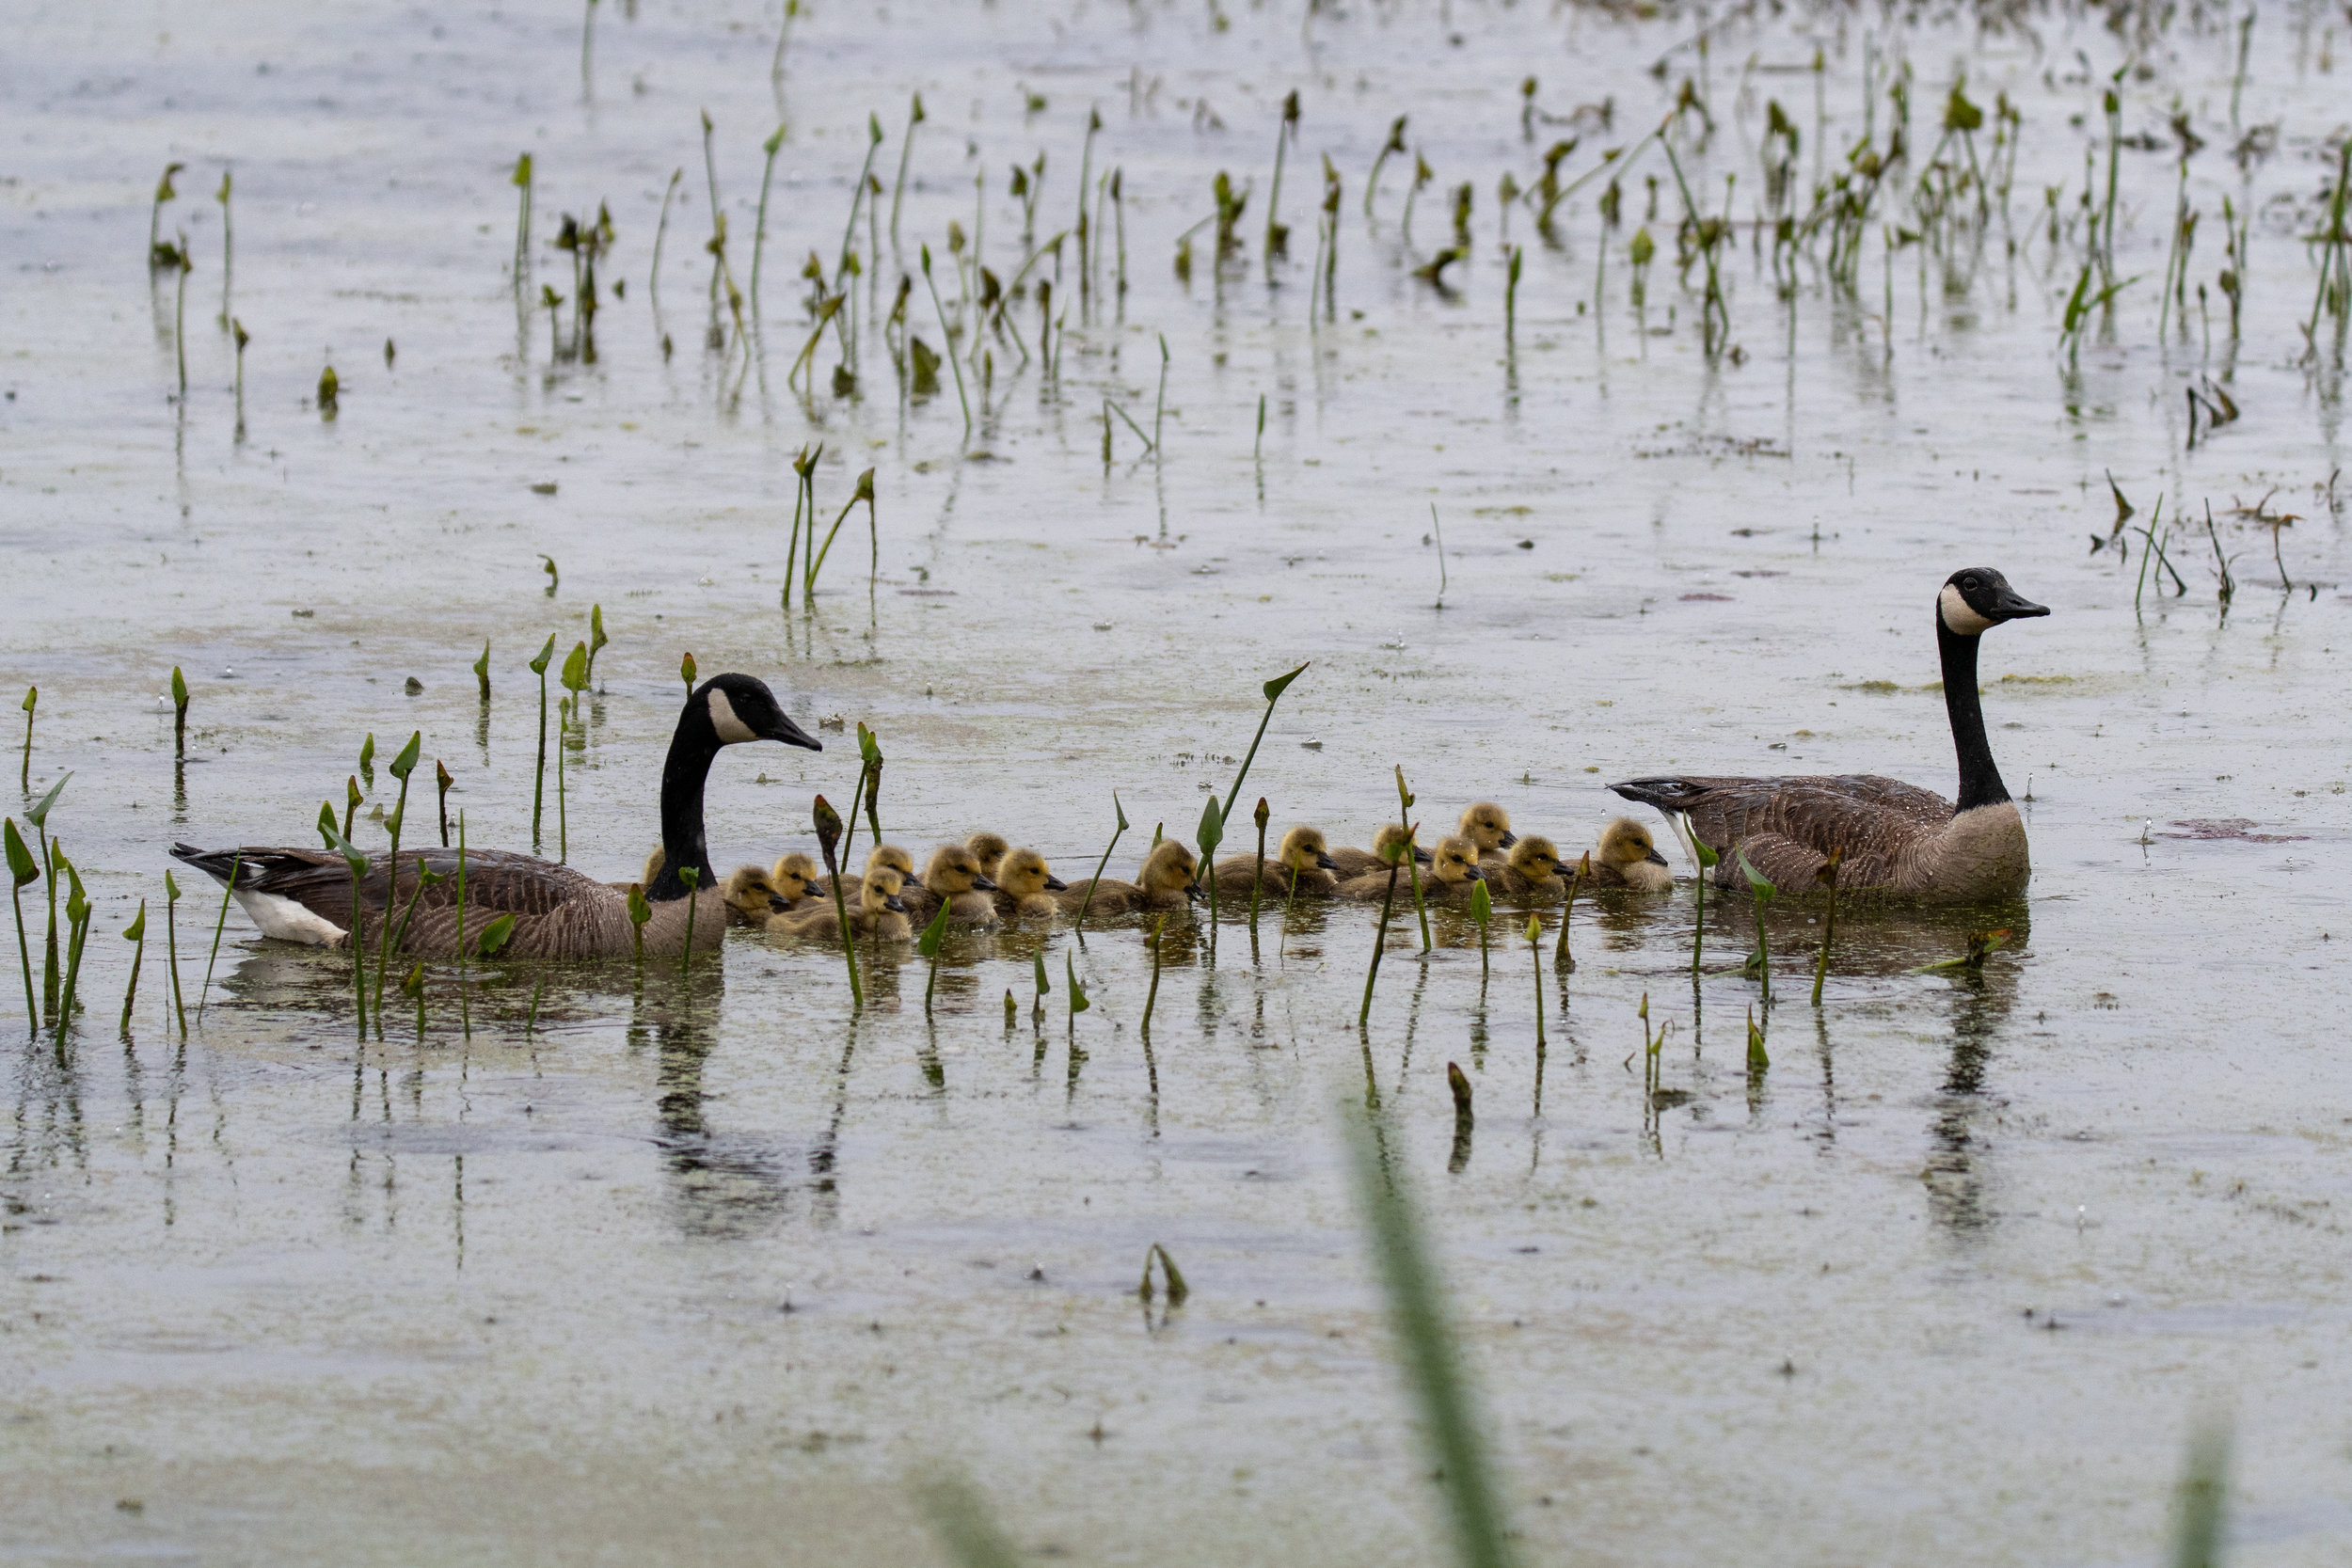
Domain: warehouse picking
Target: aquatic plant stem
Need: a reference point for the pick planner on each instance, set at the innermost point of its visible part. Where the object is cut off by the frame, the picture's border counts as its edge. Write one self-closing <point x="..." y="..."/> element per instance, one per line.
<point x="955" y="360"/>
<point x="1562" y="960"/>
<point x="171" y="940"/>
<point x="1258" y="878"/>
<point x="1536" y="958"/>
<point x="23" y="868"/>
<point x="1272" y="690"/>
<point x="759" y="224"/>
<point x="134" y="933"/>
<point x="402" y="766"/>
<point x="539" y="776"/>
<point x="1707" y="858"/>
<point x="465" y="1004"/>
<point x="660" y="231"/>
<point x="1152" y="997"/>
<point x="691" y="876"/>
<point x="906" y="152"/>
<point x="828" y="835"/>
<point x="1828" y="877"/>
<point x="1404" y="853"/>
<point x="1412" y="864"/>
<point x="218" y="925"/>
<point x="1080" y="924"/>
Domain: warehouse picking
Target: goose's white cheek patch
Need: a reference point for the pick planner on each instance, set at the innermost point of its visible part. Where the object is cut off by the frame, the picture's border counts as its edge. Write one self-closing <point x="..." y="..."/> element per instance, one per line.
<point x="1955" y="610"/>
<point x="732" y="730"/>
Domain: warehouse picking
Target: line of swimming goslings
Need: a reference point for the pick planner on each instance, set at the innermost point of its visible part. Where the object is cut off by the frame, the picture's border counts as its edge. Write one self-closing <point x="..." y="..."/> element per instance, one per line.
<point x="985" y="880"/>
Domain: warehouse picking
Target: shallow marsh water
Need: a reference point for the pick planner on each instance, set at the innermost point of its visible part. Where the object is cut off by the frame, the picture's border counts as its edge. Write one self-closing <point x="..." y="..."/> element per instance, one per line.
<point x="710" y="1273"/>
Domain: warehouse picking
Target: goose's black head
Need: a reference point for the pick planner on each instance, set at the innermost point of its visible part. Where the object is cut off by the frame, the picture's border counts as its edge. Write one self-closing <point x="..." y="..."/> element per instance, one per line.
<point x="736" y="708"/>
<point x="1978" y="598"/>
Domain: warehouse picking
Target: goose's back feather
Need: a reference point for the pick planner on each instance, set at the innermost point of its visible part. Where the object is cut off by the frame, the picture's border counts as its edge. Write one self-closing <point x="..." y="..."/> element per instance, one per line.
<point x="1786" y="827"/>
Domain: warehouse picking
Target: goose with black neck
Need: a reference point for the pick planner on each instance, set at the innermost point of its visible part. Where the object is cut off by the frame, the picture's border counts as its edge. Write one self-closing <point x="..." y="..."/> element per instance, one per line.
<point x="1896" y="839"/>
<point x="305" y="896"/>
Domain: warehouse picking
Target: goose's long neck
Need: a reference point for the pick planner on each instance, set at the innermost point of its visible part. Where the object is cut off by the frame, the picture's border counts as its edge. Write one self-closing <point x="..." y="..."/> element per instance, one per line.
<point x="682" y="778"/>
<point x="1980" y="780"/>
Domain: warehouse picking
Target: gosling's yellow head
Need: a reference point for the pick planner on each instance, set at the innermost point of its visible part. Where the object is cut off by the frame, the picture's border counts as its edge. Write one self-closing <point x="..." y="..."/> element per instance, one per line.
<point x="991" y="849"/>
<point x="879" y="890"/>
<point x="1626" y="842"/>
<point x="795" y="877"/>
<point x="955" y="869"/>
<point x="1488" y="826"/>
<point x="1389" y="836"/>
<point x="897" y="859"/>
<point x="751" y="891"/>
<point x="1534" y="858"/>
<point x="654" y="863"/>
<point x="1303" y="849"/>
<point x="1454" y="862"/>
<point x="1168" y="868"/>
<point x="1023" y="874"/>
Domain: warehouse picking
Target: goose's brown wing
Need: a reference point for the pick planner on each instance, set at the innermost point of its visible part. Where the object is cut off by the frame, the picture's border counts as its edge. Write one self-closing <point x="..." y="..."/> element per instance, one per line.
<point x="558" y="912"/>
<point x="1868" y="817"/>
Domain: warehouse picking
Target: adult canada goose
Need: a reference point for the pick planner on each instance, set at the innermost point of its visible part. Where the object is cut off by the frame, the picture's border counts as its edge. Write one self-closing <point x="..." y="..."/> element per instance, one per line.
<point x="296" y="895"/>
<point x="876" y="913"/>
<point x="1347" y="863"/>
<point x="752" y="896"/>
<point x="1025" y="885"/>
<point x="954" y="874"/>
<point x="1627" y="856"/>
<point x="1894" y="837"/>
<point x="991" y="849"/>
<point x="1488" y="826"/>
<point x="1454" y="870"/>
<point x="1530" y="871"/>
<point x="1167" y="881"/>
<point x="1302" y="863"/>
<point x="796" y="878"/>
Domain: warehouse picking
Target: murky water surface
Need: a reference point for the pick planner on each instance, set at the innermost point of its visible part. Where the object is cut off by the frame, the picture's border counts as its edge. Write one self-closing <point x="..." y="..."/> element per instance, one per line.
<point x="713" y="1273"/>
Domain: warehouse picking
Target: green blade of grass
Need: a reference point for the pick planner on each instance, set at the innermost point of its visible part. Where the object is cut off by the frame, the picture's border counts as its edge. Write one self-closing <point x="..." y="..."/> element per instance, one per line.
<point x="1433" y="1365"/>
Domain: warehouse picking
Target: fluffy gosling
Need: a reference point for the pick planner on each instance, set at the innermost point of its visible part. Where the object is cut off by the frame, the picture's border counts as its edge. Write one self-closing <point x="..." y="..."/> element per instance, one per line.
<point x="1348" y="865"/>
<point x="1303" y="862"/>
<point x="1169" y="880"/>
<point x="1627" y="856"/>
<point x="880" y="912"/>
<point x="1025" y="885"/>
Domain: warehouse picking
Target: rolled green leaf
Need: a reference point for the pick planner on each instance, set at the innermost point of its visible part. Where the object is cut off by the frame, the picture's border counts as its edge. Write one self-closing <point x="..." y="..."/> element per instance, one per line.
<point x="23" y="868"/>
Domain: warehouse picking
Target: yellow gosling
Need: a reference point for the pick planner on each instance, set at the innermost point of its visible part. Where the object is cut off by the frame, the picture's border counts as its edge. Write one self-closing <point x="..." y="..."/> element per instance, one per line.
<point x="1531" y="872"/>
<point x="1627" y="856"/>
<point x="955" y="875"/>
<point x="1488" y="826"/>
<point x="991" y="849"/>
<point x="796" y="878"/>
<point x="752" y="896"/>
<point x="1025" y="885"/>
<point x="879" y="913"/>
<point x="1303" y="860"/>
<point x="1453" y="871"/>
<point x="1348" y="865"/>
<point x="1167" y="881"/>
